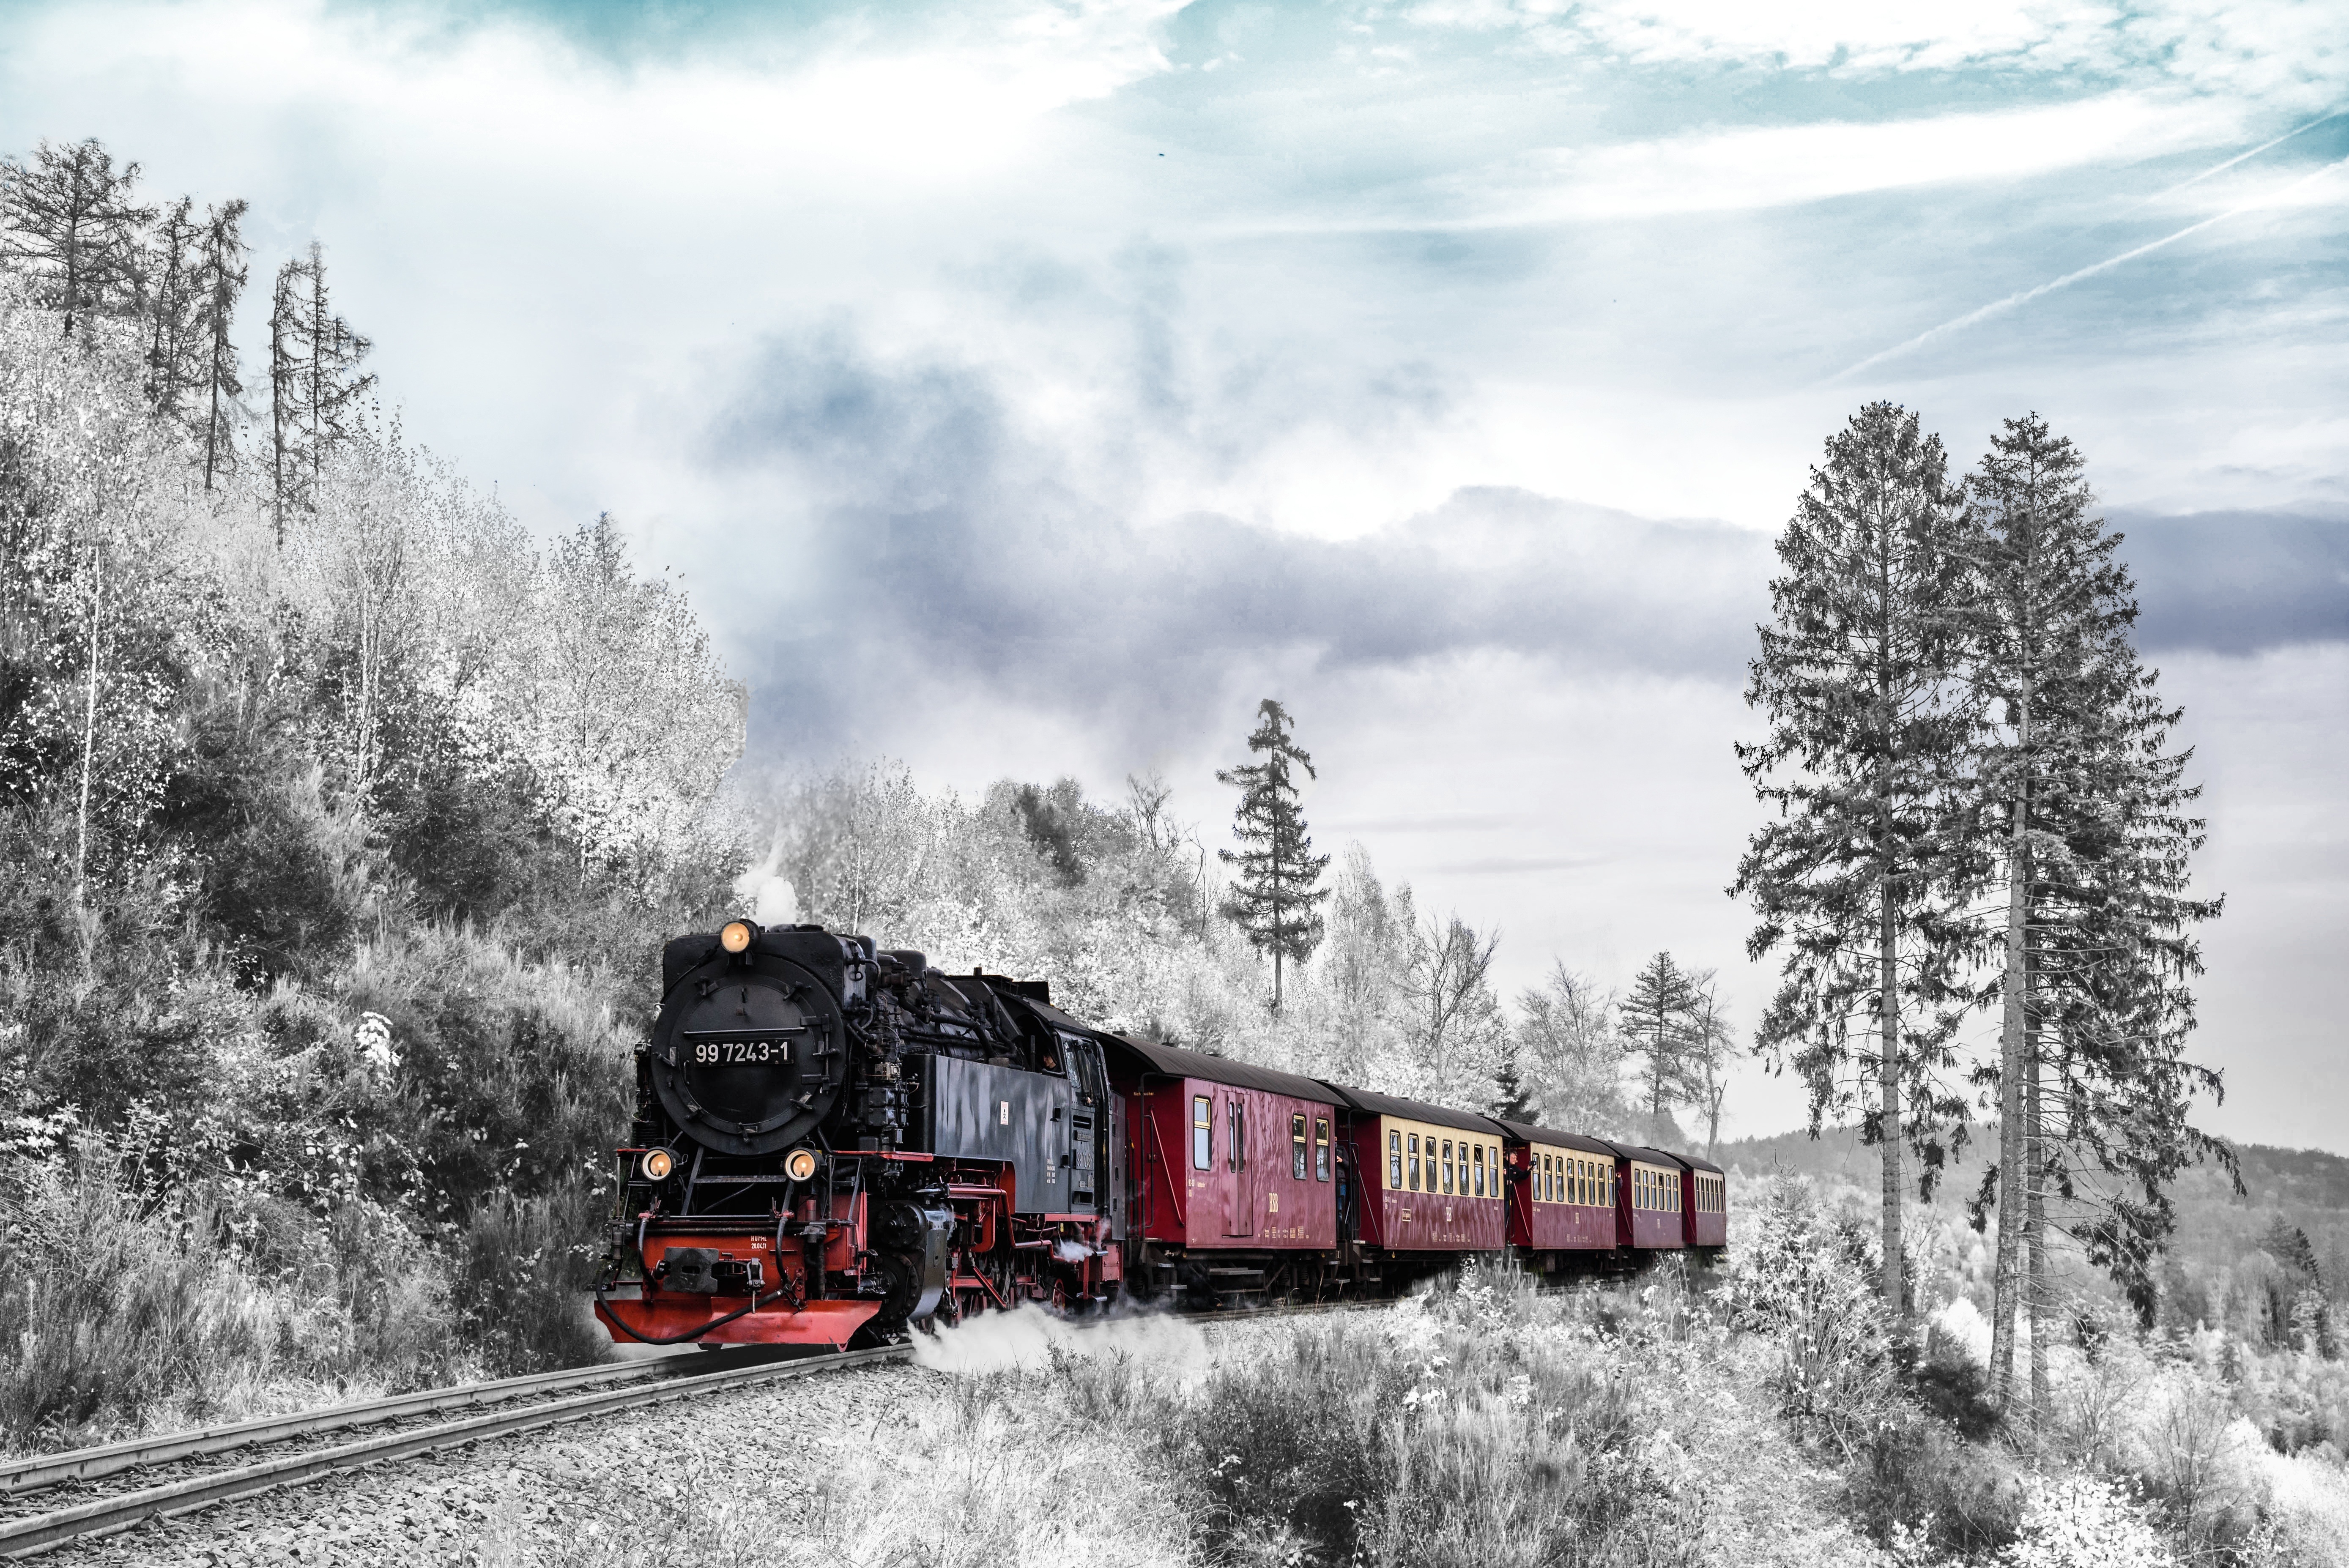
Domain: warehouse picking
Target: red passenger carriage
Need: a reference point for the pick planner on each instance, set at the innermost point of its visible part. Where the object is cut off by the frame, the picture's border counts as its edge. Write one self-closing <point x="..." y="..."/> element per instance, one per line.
<point x="1651" y="1209"/>
<point x="1234" y="1171"/>
<point x="1562" y="1195"/>
<point x="1432" y="1179"/>
<point x="1705" y="1198"/>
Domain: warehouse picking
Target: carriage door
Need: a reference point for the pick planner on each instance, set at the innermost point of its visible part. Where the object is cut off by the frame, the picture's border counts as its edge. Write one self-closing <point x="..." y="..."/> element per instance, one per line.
<point x="1239" y="1185"/>
<point x="1088" y="1125"/>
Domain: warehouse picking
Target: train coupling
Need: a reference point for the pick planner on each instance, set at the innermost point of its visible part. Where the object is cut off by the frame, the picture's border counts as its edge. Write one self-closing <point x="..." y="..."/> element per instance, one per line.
<point x="703" y="1271"/>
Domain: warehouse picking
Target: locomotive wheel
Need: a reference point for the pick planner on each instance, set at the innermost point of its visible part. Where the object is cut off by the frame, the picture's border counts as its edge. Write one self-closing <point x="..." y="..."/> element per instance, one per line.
<point x="905" y="1283"/>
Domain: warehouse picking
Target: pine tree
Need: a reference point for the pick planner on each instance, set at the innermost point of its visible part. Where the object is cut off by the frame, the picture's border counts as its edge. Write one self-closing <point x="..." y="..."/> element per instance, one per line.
<point x="1657" y="1021"/>
<point x="221" y="276"/>
<point x="67" y="219"/>
<point x="1277" y="899"/>
<point x="2086" y="821"/>
<point x="1515" y="1101"/>
<point x="1855" y="879"/>
<point x="313" y="382"/>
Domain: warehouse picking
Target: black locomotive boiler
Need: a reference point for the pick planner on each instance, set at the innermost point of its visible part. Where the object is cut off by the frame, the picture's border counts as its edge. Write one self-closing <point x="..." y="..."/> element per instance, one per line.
<point x="833" y="1140"/>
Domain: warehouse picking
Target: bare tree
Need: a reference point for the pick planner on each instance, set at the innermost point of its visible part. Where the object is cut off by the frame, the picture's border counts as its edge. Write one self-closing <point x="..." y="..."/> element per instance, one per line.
<point x="1708" y="1042"/>
<point x="1567" y="1045"/>
<point x="1453" y="1019"/>
<point x="67" y="220"/>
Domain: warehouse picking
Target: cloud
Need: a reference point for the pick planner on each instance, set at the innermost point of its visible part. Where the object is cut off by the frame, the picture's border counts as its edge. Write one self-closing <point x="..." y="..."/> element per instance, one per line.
<point x="938" y="546"/>
<point x="2237" y="582"/>
<point x="2288" y="50"/>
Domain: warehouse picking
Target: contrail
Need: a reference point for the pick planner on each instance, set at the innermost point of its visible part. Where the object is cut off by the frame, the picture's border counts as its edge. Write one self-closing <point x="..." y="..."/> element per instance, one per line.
<point x="2222" y="167"/>
<point x="1999" y="307"/>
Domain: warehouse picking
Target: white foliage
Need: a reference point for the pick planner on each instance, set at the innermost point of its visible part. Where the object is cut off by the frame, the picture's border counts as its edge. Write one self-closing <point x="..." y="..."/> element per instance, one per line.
<point x="2080" y="1521"/>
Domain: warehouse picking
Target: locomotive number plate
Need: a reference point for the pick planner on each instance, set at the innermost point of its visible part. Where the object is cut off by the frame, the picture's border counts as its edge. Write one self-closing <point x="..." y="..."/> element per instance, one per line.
<point x="731" y="1052"/>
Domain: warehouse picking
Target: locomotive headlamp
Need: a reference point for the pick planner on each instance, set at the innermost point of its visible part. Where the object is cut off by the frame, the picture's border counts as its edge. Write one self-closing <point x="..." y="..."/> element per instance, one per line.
<point x="799" y="1164"/>
<point x="736" y="937"/>
<point x="657" y="1164"/>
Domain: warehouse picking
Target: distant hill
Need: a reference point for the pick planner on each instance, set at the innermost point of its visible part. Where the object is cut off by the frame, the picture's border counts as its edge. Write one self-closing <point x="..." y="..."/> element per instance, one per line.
<point x="2217" y="1228"/>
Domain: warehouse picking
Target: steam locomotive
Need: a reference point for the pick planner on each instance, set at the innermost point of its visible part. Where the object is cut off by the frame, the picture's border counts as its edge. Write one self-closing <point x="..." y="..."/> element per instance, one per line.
<point x="834" y="1141"/>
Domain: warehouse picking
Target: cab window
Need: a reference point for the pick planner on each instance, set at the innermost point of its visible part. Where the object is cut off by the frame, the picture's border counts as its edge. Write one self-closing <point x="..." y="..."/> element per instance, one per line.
<point x="1297" y="1147"/>
<point x="1320" y="1149"/>
<point x="1394" y="1161"/>
<point x="1203" y="1134"/>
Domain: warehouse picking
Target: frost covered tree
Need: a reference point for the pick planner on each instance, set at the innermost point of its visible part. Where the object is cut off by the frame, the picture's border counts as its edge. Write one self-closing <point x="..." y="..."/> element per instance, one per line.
<point x="1453" y="1028"/>
<point x="1852" y="879"/>
<point x="2088" y="828"/>
<point x="314" y="382"/>
<point x="67" y="221"/>
<point x="1566" y="1046"/>
<point x="1276" y="898"/>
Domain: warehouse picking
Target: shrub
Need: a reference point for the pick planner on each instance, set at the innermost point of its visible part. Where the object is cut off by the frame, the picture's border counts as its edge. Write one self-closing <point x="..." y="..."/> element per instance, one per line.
<point x="1802" y="1281"/>
<point x="525" y="1274"/>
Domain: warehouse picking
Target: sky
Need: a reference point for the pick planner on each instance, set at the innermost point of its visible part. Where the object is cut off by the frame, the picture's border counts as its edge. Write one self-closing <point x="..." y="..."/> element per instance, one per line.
<point x="1027" y="389"/>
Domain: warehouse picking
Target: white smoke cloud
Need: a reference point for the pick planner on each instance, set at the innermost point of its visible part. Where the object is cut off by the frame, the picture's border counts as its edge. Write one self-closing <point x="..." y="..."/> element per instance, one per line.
<point x="1027" y="1336"/>
<point x="767" y="893"/>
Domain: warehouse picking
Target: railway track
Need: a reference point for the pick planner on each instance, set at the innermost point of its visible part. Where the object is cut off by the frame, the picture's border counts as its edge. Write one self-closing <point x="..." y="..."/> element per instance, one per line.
<point x="501" y="1409"/>
<point x="411" y="1424"/>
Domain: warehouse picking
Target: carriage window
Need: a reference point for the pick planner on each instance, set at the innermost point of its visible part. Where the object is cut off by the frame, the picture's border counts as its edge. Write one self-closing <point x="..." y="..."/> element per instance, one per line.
<point x="1414" y="1161"/>
<point x="1394" y="1161"/>
<point x="1479" y="1172"/>
<point x="1539" y="1163"/>
<point x="1238" y="1152"/>
<point x="1297" y="1147"/>
<point x="1448" y="1165"/>
<point x="1203" y="1134"/>
<point x="1320" y="1149"/>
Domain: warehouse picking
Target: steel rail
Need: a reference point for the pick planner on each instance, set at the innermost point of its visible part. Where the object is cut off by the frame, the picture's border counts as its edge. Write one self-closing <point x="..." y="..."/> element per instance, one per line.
<point x="653" y="1381"/>
<point x="31" y="1471"/>
<point x="106" y="1516"/>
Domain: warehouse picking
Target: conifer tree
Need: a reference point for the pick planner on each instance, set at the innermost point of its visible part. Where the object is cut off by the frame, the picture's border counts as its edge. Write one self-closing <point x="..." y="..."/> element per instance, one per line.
<point x="314" y="380"/>
<point x="1515" y="1101"/>
<point x="1657" y="1017"/>
<point x="67" y="221"/>
<point x="2088" y="825"/>
<point x="221" y="276"/>
<point x="1276" y="898"/>
<point x="174" y="298"/>
<point x="1853" y="880"/>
